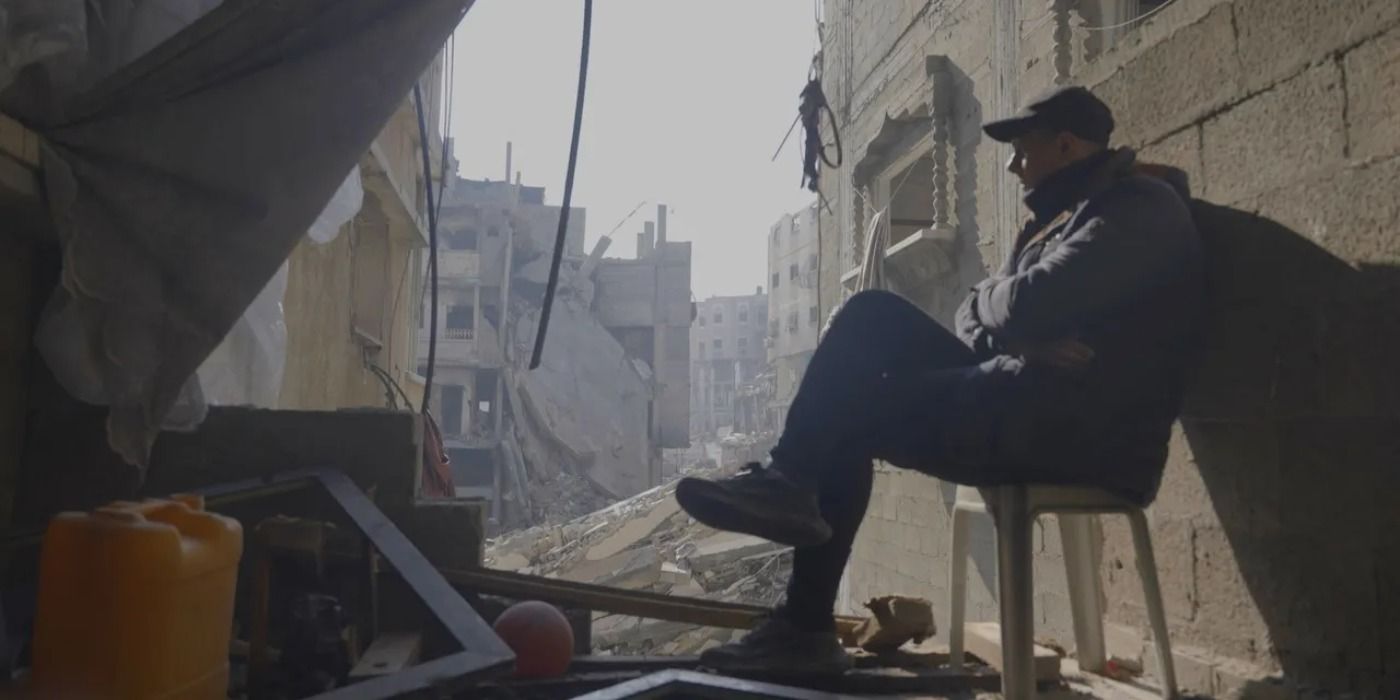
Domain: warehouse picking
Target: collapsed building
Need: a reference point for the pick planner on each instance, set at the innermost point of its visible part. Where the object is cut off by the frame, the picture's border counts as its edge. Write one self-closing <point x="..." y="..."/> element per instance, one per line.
<point x="586" y="427"/>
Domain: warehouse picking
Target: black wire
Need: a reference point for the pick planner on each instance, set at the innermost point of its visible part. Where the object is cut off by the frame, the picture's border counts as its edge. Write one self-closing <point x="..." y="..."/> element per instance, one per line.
<point x="553" y="285"/>
<point x="390" y="386"/>
<point x="432" y="245"/>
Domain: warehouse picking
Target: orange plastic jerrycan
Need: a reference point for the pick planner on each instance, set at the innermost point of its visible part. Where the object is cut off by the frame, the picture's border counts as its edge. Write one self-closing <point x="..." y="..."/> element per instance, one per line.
<point x="136" y="602"/>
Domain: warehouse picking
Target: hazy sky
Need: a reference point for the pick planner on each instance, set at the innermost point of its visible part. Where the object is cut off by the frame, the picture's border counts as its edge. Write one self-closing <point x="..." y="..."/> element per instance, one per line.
<point x="686" y="103"/>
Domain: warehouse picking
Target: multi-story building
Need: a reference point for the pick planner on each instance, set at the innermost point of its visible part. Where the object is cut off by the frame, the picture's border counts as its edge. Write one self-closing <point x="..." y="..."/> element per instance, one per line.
<point x="1276" y="556"/>
<point x="794" y="320"/>
<point x="727" y="334"/>
<point x="645" y="303"/>
<point x="482" y="224"/>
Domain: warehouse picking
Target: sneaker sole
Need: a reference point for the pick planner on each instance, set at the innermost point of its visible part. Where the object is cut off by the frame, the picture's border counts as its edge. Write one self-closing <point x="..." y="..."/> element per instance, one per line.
<point x="716" y="507"/>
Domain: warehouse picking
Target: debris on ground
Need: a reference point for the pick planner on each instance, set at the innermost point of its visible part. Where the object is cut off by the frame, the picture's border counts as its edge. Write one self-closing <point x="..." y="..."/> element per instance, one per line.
<point x="647" y="543"/>
<point x="895" y="620"/>
<point x="738" y="449"/>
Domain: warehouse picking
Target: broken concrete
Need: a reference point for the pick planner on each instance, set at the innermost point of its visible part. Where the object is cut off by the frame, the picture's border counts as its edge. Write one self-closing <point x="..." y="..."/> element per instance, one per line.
<point x="728" y="547"/>
<point x="896" y="620"/>
<point x="636" y="569"/>
<point x="647" y="543"/>
<point x="634" y="531"/>
<point x="585" y="406"/>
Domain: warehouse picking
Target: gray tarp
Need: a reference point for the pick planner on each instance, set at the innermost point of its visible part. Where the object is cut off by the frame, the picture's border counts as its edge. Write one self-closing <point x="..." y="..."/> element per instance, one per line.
<point x="179" y="184"/>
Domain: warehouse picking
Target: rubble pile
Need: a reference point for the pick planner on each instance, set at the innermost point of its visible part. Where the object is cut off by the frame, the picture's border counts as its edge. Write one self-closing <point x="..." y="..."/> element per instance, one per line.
<point x="737" y="449"/>
<point x="564" y="497"/>
<point x="647" y="543"/>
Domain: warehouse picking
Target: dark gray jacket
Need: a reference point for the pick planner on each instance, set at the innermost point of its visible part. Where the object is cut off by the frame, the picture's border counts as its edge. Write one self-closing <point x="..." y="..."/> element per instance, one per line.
<point x="1111" y="257"/>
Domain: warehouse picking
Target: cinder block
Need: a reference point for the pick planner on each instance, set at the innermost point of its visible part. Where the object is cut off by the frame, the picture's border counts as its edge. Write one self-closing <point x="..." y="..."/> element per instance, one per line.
<point x="1373" y="97"/>
<point x="1236" y="680"/>
<point x="1234" y="378"/>
<point x="1124" y="644"/>
<point x="1277" y="38"/>
<point x="1122" y="591"/>
<point x="1183" y="494"/>
<point x="1228" y="620"/>
<point x="1054" y="618"/>
<point x="1195" y="671"/>
<point x="1180" y="150"/>
<point x="1350" y="213"/>
<point x="1277" y="137"/>
<point x="1155" y="94"/>
<point x="1174" y="545"/>
<point x="1239" y="462"/>
<point x="1326" y="366"/>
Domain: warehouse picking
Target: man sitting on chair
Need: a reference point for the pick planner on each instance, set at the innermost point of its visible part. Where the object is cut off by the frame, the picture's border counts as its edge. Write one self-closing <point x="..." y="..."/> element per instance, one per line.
<point x="1068" y="367"/>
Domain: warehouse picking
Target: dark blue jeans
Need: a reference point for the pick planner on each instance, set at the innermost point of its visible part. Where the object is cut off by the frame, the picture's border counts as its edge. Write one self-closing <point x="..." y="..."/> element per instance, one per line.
<point x="886" y="382"/>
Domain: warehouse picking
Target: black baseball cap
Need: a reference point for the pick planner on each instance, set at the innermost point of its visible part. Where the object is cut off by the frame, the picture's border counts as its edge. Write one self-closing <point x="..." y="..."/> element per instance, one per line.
<point x="1071" y="109"/>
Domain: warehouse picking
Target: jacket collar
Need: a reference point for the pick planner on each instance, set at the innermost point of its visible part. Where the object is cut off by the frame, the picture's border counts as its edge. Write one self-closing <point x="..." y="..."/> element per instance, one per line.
<point x="1078" y="181"/>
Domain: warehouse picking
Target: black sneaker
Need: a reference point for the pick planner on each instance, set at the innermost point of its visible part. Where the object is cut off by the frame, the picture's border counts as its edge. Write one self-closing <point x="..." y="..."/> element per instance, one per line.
<point x="760" y="502"/>
<point x="777" y="646"/>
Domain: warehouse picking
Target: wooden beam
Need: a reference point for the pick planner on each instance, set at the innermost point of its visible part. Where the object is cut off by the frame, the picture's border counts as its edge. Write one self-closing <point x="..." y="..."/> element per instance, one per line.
<point x="656" y="606"/>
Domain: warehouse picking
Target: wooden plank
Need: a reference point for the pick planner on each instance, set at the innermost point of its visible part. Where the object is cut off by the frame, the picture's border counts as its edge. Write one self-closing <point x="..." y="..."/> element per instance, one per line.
<point x="390" y="653"/>
<point x="587" y="596"/>
<point x="984" y="642"/>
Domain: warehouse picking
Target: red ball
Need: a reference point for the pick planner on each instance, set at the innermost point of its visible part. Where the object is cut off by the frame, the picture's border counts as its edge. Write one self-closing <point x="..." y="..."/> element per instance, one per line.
<point x="540" y="636"/>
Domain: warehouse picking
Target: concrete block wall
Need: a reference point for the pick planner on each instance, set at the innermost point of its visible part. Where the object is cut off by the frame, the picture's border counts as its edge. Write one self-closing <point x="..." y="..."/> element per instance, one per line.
<point x="1275" y="537"/>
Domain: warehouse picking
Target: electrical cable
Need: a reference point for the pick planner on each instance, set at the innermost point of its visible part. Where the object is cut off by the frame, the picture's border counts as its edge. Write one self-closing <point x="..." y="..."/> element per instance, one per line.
<point x="628" y="217"/>
<point x="389" y="383"/>
<point x="1132" y="21"/>
<point x="553" y="284"/>
<point x="432" y="245"/>
<point x="449" y="94"/>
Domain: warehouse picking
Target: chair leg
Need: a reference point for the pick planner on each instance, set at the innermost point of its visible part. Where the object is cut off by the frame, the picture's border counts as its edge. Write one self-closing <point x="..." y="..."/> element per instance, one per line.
<point x="1152" y="595"/>
<point x="957" y="585"/>
<point x="1015" y="584"/>
<point x="1085" y="592"/>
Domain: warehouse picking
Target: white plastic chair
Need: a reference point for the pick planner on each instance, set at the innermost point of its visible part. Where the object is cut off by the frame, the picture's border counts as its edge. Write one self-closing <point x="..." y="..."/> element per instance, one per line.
<point x="1016" y="509"/>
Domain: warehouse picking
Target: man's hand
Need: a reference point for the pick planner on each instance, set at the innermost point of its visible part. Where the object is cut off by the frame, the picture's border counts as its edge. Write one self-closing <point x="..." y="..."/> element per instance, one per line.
<point x="1067" y="353"/>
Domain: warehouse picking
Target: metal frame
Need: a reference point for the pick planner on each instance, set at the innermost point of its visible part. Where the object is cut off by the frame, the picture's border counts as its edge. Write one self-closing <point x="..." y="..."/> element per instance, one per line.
<point x="483" y="653"/>
<point x="702" y="685"/>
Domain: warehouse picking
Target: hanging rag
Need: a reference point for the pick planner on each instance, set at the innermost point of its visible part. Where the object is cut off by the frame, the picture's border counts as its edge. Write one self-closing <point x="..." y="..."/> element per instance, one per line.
<point x="872" y="262"/>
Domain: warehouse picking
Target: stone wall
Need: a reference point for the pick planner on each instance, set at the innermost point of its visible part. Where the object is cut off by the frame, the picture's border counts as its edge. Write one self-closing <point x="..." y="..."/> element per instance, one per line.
<point x="1275" y="541"/>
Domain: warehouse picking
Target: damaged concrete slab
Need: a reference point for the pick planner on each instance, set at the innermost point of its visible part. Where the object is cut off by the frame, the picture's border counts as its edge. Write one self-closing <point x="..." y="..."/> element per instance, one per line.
<point x="646" y="543"/>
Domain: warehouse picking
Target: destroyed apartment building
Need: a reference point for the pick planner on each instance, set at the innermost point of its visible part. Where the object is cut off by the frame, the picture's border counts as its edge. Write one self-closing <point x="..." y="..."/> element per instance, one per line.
<point x="587" y="426"/>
